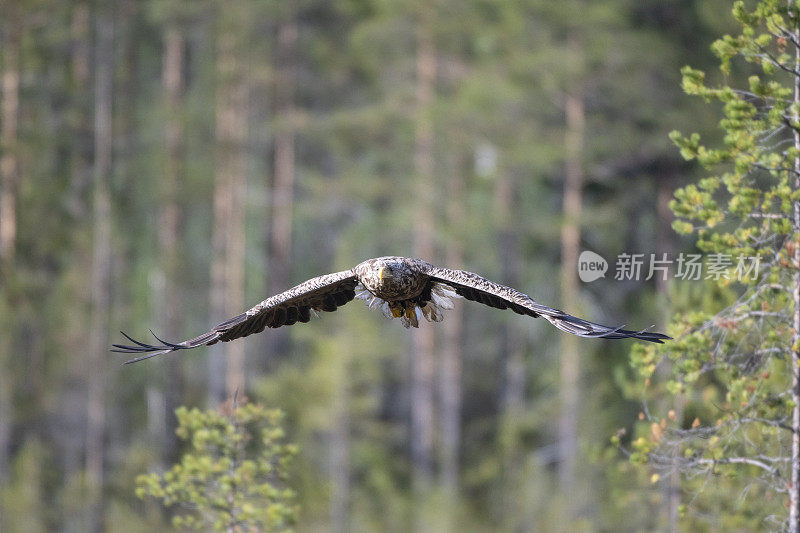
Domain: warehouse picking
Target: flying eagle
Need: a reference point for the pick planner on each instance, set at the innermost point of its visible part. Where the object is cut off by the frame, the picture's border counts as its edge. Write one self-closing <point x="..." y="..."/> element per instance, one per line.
<point x="402" y="287"/>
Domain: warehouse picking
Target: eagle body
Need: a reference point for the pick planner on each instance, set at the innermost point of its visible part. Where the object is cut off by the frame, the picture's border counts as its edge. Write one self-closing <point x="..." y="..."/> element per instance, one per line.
<point x="402" y="287"/>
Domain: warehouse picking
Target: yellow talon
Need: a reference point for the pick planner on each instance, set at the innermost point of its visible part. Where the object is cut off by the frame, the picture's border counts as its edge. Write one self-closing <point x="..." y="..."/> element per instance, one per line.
<point x="397" y="310"/>
<point x="411" y="312"/>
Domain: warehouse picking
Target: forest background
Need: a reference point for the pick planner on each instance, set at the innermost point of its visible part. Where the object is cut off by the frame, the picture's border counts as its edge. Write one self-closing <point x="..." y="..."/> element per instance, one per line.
<point x="167" y="164"/>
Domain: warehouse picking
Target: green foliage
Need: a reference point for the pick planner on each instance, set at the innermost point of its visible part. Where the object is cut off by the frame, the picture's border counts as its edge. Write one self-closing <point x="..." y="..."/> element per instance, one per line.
<point x="232" y="477"/>
<point x="731" y="368"/>
<point x="22" y="499"/>
<point x="502" y="71"/>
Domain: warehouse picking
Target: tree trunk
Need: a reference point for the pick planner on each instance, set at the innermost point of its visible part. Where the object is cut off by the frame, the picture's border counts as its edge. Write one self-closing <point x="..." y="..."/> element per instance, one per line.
<point x="422" y="363"/>
<point x="513" y="393"/>
<point x="69" y="437"/>
<point x="9" y="182"/>
<point x="96" y="371"/>
<point x="283" y="179"/>
<point x="226" y="370"/>
<point x="80" y="175"/>
<point x="340" y="445"/>
<point x="570" y="246"/>
<point x="450" y="363"/>
<point x="8" y="158"/>
<point x="794" y="488"/>
<point x="672" y="488"/>
<point x="166" y="385"/>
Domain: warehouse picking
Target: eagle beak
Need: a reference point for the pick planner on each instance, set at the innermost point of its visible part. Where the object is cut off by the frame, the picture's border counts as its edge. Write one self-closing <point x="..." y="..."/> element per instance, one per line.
<point x="380" y="273"/>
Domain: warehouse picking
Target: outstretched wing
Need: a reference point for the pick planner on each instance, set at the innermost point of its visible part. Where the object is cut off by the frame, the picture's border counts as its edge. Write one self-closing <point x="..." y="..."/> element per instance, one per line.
<point x="477" y="288"/>
<point x="324" y="293"/>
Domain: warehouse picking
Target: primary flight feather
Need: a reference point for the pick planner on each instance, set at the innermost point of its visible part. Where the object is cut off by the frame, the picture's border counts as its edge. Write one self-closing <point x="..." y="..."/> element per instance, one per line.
<point x="402" y="287"/>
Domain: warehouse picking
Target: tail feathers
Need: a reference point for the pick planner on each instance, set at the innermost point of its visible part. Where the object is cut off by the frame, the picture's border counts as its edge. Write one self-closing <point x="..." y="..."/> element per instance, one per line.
<point x="584" y="328"/>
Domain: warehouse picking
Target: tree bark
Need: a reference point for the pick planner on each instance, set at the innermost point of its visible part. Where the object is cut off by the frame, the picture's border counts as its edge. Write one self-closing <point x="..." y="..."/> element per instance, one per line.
<point x="9" y="182"/>
<point x="80" y="174"/>
<point x="96" y="369"/>
<point x="513" y="392"/>
<point x="340" y="446"/>
<point x="8" y="134"/>
<point x="450" y="362"/>
<point x="508" y="247"/>
<point x="69" y="436"/>
<point x="672" y="488"/>
<point x="570" y="247"/>
<point x="422" y="363"/>
<point x="226" y="370"/>
<point x="283" y="177"/>
<point x="167" y="385"/>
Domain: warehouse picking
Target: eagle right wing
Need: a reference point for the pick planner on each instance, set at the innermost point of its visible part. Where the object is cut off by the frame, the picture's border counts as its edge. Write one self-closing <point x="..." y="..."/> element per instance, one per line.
<point x="477" y="288"/>
<point x="323" y="293"/>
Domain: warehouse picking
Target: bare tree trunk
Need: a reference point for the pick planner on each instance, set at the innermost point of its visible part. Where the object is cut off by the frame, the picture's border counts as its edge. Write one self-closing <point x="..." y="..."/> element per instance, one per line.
<point x="794" y="488"/>
<point x="226" y="371"/>
<point x="508" y="244"/>
<point x="223" y="211"/>
<point x="284" y="174"/>
<point x="570" y="247"/>
<point x="340" y="447"/>
<point x="513" y="393"/>
<point x="672" y="488"/>
<point x="81" y="57"/>
<point x="450" y="364"/>
<point x="165" y="390"/>
<point x="9" y="182"/>
<point x="96" y="370"/>
<point x="422" y="363"/>
<point x="70" y="437"/>
<point x="8" y="157"/>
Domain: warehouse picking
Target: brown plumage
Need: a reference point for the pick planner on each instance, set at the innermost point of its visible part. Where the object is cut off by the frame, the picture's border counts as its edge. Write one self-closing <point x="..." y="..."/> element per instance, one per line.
<point x="402" y="287"/>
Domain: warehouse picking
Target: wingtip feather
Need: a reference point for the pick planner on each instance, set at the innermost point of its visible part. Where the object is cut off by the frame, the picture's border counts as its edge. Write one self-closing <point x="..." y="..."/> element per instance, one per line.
<point x="148" y="349"/>
<point x="148" y="356"/>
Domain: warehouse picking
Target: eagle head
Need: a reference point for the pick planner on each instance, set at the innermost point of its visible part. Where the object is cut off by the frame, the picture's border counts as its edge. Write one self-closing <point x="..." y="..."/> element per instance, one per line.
<point x="391" y="278"/>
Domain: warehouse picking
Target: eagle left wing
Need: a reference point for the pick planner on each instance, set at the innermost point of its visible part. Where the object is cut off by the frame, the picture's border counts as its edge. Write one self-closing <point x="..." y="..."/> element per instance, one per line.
<point x="323" y="293"/>
<point x="479" y="289"/>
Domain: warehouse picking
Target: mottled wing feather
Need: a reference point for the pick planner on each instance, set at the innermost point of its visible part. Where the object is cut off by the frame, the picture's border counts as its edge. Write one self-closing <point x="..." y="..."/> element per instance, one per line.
<point x="323" y="293"/>
<point x="477" y="288"/>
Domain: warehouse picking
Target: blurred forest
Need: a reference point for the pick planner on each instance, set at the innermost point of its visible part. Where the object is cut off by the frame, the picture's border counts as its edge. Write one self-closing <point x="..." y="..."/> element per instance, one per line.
<point x="167" y="164"/>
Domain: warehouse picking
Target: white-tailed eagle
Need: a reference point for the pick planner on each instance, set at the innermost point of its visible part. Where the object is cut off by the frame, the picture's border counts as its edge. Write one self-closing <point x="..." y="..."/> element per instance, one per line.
<point x="402" y="287"/>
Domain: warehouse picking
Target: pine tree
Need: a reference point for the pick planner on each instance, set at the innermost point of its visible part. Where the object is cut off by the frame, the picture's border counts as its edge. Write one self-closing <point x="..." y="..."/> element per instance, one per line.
<point x="233" y="476"/>
<point x="737" y="367"/>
